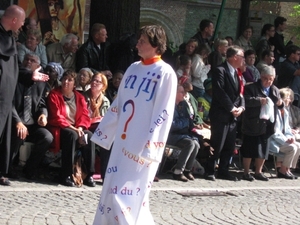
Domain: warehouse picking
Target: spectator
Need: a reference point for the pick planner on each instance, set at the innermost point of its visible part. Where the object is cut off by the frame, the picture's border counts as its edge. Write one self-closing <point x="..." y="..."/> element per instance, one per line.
<point x="287" y="96"/>
<point x="216" y="57"/>
<point x="181" y="135"/>
<point x="204" y="102"/>
<point x="32" y="45"/>
<point x="251" y="73"/>
<point x="267" y="58"/>
<point x="98" y="105"/>
<point x="199" y="70"/>
<point x="278" y="41"/>
<point x="113" y="85"/>
<point x="55" y="72"/>
<point x="290" y="69"/>
<point x="256" y="131"/>
<point x="184" y="69"/>
<point x="283" y="142"/>
<point x="205" y="33"/>
<point x="267" y="32"/>
<point x="12" y="19"/>
<point x="29" y="24"/>
<point x="226" y="106"/>
<point x="230" y="40"/>
<point x="244" y="40"/>
<point x="92" y="54"/>
<point x="69" y="121"/>
<point x="64" y="52"/>
<point x="30" y="118"/>
<point x="84" y="79"/>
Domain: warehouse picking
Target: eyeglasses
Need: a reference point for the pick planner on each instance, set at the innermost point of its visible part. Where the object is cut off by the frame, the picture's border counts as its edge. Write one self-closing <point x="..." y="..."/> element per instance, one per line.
<point x="97" y="81"/>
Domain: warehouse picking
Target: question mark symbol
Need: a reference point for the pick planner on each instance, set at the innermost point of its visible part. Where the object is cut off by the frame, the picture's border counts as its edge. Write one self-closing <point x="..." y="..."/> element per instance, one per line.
<point x="123" y="136"/>
<point x="105" y="136"/>
<point x="108" y="209"/>
<point x="138" y="190"/>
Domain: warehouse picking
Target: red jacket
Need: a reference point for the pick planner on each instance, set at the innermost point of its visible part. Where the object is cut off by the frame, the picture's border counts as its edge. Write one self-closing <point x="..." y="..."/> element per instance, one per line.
<point x="57" y="115"/>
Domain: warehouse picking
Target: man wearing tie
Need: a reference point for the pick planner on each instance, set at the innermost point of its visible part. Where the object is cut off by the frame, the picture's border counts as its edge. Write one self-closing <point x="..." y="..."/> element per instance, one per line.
<point x="30" y="116"/>
<point x="226" y="106"/>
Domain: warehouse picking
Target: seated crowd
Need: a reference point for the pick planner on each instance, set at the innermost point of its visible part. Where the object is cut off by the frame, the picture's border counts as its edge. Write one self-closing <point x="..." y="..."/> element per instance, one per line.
<point x="222" y="92"/>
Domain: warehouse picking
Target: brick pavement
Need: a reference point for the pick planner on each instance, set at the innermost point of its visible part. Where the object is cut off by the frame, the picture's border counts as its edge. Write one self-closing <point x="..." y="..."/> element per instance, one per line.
<point x="243" y="202"/>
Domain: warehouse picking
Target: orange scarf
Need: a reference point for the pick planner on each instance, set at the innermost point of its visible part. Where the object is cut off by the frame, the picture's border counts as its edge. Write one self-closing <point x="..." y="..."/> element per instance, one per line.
<point x="151" y="61"/>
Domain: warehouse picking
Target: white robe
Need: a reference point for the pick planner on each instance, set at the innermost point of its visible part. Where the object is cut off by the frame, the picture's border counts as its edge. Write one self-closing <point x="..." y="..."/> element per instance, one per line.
<point x="138" y="123"/>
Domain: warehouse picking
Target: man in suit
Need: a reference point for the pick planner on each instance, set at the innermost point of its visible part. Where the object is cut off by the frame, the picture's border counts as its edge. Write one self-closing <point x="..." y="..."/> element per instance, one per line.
<point x="30" y="116"/>
<point x="92" y="54"/>
<point x="226" y="106"/>
<point x="12" y="19"/>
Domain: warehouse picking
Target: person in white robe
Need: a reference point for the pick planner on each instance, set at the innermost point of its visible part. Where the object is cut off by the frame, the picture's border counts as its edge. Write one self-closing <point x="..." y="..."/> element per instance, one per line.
<point x="138" y="123"/>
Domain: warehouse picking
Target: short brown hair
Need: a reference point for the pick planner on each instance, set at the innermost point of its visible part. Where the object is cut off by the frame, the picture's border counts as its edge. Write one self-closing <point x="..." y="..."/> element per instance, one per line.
<point x="96" y="28"/>
<point x="157" y="37"/>
<point x="70" y="73"/>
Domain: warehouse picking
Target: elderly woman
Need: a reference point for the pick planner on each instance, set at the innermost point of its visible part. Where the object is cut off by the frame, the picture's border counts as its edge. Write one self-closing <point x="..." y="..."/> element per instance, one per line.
<point x="84" y="79"/>
<point x="69" y="122"/>
<point x="32" y="44"/>
<point x="256" y="131"/>
<point x="244" y="40"/>
<point x="287" y="96"/>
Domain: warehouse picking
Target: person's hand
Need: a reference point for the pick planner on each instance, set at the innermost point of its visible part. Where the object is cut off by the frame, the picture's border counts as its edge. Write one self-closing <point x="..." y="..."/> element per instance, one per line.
<point x="38" y="76"/>
<point x="237" y="111"/>
<point x="42" y="120"/>
<point x="199" y="126"/>
<point x="80" y="135"/>
<point x="263" y="101"/>
<point x="205" y="125"/>
<point x="290" y="140"/>
<point x="22" y="131"/>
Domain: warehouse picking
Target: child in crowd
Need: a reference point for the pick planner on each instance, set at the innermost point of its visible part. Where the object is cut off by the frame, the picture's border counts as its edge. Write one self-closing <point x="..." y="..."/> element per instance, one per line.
<point x="183" y="72"/>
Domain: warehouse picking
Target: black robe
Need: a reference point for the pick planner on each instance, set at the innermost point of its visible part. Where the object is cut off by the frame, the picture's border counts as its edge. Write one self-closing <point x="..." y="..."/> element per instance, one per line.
<point x="8" y="79"/>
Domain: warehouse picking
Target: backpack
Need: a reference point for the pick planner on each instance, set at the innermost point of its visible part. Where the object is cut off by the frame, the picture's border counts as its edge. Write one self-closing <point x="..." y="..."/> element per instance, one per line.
<point x="79" y="169"/>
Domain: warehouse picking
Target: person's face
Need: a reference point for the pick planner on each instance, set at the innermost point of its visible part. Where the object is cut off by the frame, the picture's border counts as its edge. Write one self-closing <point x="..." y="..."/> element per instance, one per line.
<point x="269" y="59"/>
<point x="247" y="33"/>
<point x="287" y="100"/>
<point x="190" y="48"/>
<point x="295" y="56"/>
<point x="31" y="42"/>
<point x="266" y="80"/>
<point x="188" y="66"/>
<point x="145" y="49"/>
<point x="250" y="60"/>
<point x="223" y="49"/>
<point x="54" y="8"/>
<point x="116" y="80"/>
<point x="97" y="84"/>
<point x="180" y="94"/>
<point x="102" y="36"/>
<point x="271" y="32"/>
<point x="239" y="59"/>
<point x="67" y="84"/>
<point x="210" y="30"/>
<point x="84" y="78"/>
<point x="282" y="27"/>
<point x="229" y="41"/>
<point x="53" y="75"/>
<point x="32" y="24"/>
<point x="30" y="63"/>
<point x="72" y="47"/>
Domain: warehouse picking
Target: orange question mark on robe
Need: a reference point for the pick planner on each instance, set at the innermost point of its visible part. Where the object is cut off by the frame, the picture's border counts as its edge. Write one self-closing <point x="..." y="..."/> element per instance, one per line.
<point x="123" y="136"/>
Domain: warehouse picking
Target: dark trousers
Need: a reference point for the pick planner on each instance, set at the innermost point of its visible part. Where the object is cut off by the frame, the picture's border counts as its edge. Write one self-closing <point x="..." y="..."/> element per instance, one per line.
<point x="222" y="139"/>
<point x="41" y="138"/>
<point x="69" y="144"/>
<point x="189" y="149"/>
